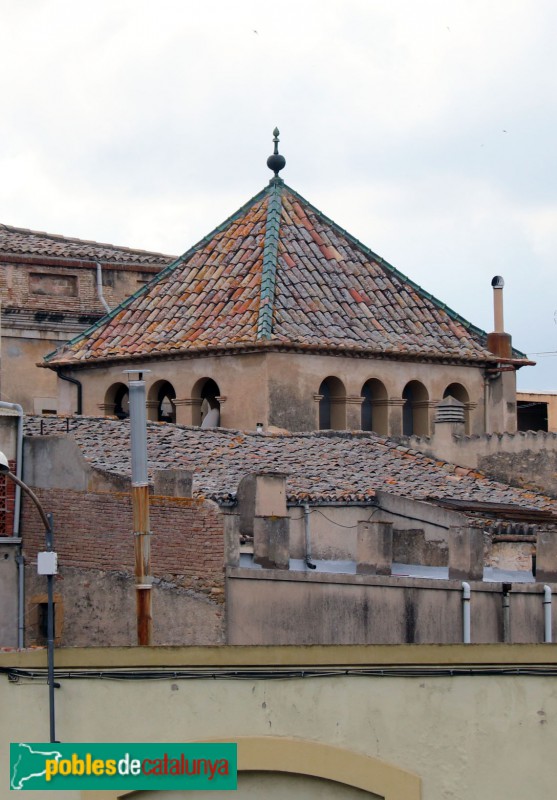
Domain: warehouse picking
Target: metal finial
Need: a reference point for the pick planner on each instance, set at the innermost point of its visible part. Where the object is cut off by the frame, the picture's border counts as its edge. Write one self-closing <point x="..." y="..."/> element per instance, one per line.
<point x="276" y="162"/>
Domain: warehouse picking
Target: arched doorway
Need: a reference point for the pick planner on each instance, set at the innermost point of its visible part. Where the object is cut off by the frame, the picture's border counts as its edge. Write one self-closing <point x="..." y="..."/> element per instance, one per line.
<point x="415" y="411"/>
<point x="374" y="407"/>
<point x="332" y="405"/>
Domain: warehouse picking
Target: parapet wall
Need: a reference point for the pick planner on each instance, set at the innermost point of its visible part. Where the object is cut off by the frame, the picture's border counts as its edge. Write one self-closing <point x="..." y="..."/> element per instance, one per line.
<point x="526" y="458"/>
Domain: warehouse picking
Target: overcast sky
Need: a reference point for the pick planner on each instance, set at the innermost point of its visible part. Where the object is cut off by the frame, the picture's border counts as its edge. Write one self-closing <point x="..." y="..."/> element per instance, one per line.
<point x="427" y="129"/>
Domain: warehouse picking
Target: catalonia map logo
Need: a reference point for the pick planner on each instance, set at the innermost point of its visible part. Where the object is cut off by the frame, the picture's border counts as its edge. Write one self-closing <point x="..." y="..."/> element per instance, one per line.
<point x="209" y="766"/>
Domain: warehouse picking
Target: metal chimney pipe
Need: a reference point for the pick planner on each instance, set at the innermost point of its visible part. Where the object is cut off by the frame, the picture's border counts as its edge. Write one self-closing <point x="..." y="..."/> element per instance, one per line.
<point x="498" y="323"/>
<point x="140" y="509"/>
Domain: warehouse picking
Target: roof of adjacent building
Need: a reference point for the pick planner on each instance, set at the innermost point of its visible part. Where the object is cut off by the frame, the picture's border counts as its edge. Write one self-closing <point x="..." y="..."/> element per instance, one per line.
<point x="322" y="466"/>
<point x="23" y="244"/>
<point x="279" y="274"/>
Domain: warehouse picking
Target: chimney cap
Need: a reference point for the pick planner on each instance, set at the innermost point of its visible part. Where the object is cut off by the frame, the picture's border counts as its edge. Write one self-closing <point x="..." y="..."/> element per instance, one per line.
<point x="497" y="282"/>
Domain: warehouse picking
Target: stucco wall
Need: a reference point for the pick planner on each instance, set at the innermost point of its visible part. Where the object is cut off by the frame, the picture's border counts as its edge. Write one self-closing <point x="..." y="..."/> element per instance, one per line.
<point x="462" y="734"/>
<point x="37" y="319"/>
<point x="268" y="607"/>
<point x="526" y="458"/>
<point x="279" y="389"/>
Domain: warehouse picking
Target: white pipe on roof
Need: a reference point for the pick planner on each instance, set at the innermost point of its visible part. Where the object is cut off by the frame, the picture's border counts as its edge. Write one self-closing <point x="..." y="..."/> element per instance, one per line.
<point x="548" y="638"/>
<point x="465" y="612"/>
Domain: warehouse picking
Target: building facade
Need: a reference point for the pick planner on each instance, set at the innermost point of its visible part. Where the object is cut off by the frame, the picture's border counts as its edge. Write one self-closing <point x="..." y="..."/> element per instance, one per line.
<point x="281" y="317"/>
<point x="52" y="288"/>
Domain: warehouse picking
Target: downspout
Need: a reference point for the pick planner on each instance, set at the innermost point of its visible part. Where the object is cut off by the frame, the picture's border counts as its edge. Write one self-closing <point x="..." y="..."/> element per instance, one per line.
<point x="486" y="404"/>
<point x="79" y="388"/>
<point x="465" y="612"/>
<point x="507" y="587"/>
<point x="309" y="562"/>
<point x="100" y="287"/>
<point x="547" y="614"/>
<point x="16" y="529"/>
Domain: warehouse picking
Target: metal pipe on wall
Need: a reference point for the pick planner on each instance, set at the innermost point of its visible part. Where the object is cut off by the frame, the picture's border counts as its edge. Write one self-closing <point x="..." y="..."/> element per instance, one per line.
<point x="507" y="611"/>
<point x="140" y="508"/>
<point x="547" y="626"/>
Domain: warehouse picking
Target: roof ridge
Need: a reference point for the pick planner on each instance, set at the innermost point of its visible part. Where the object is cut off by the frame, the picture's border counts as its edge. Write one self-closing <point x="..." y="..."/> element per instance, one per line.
<point x="393" y="270"/>
<point x="270" y="252"/>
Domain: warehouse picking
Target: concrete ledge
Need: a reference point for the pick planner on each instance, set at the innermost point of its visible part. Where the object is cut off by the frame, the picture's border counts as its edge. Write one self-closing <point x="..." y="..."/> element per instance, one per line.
<point x="492" y="655"/>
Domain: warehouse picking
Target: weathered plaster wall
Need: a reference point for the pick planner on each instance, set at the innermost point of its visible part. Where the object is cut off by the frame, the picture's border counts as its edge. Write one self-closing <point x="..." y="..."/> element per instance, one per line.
<point x="452" y="735"/>
<point x="8" y="595"/>
<point x="98" y="608"/>
<point x="264" y="608"/>
<point x="93" y="532"/>
<point x="420" y="531"/>
<point x="241" y="380"/>
<point x="44" y="306"/>
<point x="526" y="458"/>
<point x="299" y="376"/>
<point x="279" y="389"/>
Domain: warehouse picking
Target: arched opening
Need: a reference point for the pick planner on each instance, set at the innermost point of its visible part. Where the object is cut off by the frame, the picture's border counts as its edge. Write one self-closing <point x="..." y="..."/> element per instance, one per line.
<point x="206" y="408"/>
<point x="332" y="405"/>
<point x="341" y="769"/>
<point x="458" y="391"/>
<point x="415" y="411"/>
<point x="117" y="401"/>
<point x="374" y="407"/>
<point x="161" y="407"/>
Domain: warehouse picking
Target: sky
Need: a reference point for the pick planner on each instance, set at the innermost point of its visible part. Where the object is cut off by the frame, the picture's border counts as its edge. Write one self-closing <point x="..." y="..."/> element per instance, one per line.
<point x="428" y="130"/>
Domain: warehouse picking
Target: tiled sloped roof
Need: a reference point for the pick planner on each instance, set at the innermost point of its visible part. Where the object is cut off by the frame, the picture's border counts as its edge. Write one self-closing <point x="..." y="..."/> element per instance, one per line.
<point x="279" y="273"/>
<point x="21" y="242"/>
<point x="342" y="467"/>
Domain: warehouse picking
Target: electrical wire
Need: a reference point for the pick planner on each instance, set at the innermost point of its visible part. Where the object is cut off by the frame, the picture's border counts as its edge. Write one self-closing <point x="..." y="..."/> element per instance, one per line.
<point x="285" y="673"/>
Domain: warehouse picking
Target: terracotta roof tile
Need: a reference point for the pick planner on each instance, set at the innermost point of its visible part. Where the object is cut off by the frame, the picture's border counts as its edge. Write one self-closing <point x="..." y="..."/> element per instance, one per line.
<point x="357" y="465"/>
<point x="278" y="272"/>
<point x="23" y="242"/>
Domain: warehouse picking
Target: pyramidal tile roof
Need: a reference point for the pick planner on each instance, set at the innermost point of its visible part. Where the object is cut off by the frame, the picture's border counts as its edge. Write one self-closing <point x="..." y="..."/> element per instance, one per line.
<point x="279" y="274"/>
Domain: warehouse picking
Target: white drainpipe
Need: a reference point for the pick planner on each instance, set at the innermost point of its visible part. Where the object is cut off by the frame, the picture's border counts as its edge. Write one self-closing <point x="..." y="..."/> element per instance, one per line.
<point x="465" y="612"/>
<point x="309" y="562"/>
<point x="100" y="287"/>
<point x="17" y="514"/>
<point x="547" y="614"/>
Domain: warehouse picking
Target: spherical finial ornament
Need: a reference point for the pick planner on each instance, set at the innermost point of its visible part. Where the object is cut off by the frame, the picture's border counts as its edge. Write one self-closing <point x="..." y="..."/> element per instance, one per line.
<point x="497" y="282"/>
<point x="276" y="162"/>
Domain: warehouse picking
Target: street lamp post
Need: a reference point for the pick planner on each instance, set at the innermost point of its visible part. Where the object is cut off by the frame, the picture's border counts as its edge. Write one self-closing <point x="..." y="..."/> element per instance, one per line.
<point x="46" y="565"/>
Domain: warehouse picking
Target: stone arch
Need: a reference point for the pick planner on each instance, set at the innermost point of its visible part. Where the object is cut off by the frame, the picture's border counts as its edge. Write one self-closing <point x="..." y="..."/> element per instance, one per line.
<point x="459" y="392"/>
<point x="374" y="407"/>
<point x="332" y="404"/>
<point x="205" y="396"/>
<point x="308" y="758"/>
<point x="159" y="402"/>
<point x="415" y="411"/>
<point x="117" y="401"/>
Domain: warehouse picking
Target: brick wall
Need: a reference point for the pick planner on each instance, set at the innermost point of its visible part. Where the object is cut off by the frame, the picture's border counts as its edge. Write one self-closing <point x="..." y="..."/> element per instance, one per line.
<point x="7" y="502"/>
<point x="94" y="532"/>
